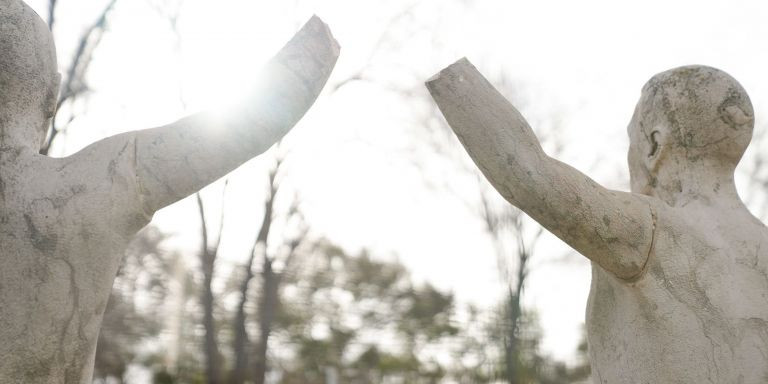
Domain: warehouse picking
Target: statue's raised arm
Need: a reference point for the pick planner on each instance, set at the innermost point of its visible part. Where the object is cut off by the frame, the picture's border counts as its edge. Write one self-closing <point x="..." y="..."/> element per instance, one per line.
<point x="613" y="229"/>
<point x="174" y="161"/>
<point x="66" y="221"/>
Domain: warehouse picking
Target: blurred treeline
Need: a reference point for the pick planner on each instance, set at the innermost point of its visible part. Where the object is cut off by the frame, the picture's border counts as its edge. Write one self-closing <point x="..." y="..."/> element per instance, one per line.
<point x="333" y="318"/>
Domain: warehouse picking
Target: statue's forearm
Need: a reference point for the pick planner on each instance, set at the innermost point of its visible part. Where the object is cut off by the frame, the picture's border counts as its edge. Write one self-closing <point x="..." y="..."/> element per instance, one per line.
<point x="494" y="133"/>
<point x="286" y="89"/>
<point x="177" y="160"/>
<point x="614" y="229"/>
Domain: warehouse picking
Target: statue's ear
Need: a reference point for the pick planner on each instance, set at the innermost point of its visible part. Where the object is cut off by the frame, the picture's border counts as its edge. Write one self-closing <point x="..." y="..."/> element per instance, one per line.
<point x="52" y="98"/>
<point x="658" y="144"/>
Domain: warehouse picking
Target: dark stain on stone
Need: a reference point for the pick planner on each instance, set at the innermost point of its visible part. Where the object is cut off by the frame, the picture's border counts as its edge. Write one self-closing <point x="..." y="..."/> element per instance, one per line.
<point x="511" y="161"/>
<point x="734" y="99"/>
<point x="42" y="242"/>
<point x="36" y="369"/>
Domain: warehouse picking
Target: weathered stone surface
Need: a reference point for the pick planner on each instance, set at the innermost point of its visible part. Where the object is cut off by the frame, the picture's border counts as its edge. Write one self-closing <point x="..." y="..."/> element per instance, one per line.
<point x="680" y="267"/>
<point x="64" y="222"/>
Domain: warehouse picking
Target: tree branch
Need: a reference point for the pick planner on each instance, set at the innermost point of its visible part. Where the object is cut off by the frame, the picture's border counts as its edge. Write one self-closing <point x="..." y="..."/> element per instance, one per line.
<point x="51" y="13"/>
<point x="74" y="82"/>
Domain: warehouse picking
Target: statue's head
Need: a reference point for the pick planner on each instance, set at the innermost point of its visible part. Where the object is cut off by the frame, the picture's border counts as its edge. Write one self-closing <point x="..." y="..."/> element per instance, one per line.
<point x="29" y="81"/>
<point x="688" y="119"/>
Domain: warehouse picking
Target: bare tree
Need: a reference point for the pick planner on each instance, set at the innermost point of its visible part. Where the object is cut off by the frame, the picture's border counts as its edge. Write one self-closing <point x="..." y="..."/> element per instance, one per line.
<point x="271" y="279"/>
<point x="171" y="12"/>
<point x="208" y="253"/>
<point x="51" y="13"/>
<point x="509" y="222"/>
<point x="74" y="82"/>
<point x="241" y="341"/>
<point x="512" y="234"/>
<point x="269" y="304"/>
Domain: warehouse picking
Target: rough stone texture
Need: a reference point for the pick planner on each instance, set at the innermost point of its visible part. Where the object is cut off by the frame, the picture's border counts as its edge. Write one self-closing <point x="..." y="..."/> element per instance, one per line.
<point x="680" y="267"/>
<point x="65" y="222"/>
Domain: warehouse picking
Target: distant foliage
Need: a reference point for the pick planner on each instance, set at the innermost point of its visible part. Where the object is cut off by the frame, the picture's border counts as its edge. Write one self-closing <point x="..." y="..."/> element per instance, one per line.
<point x="134" y="311"/>
<point x="342" y="319"/>
<point x="357" y="319"/>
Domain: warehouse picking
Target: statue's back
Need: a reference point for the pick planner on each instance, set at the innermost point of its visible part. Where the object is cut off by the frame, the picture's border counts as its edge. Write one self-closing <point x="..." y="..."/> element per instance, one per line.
<point x="700" y="312"/>
<point x="59" y="257"/>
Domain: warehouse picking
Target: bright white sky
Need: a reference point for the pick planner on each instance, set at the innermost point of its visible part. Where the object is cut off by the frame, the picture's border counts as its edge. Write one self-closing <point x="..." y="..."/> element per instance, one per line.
<point x="582" y="62"/>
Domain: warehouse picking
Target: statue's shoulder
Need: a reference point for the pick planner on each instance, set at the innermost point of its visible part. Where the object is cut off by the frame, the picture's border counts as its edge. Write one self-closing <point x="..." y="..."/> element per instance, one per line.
<point x="703" y="231"/>
<point x="96" y="185"/>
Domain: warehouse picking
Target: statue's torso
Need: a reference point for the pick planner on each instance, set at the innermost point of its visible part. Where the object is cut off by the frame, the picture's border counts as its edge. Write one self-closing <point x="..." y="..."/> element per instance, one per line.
<point x="700" y="312"/>
<point x="59" y="248"/>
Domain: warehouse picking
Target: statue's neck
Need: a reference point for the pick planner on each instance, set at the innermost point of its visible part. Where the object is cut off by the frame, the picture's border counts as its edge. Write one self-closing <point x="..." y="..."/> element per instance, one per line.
<point x="708" y="186"/>
<point x="19" y="133"/>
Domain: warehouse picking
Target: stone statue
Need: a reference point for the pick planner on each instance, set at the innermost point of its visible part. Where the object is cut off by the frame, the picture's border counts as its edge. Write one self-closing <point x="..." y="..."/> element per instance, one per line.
<point x="680" y="267"/>
<point x="65" y="221"/>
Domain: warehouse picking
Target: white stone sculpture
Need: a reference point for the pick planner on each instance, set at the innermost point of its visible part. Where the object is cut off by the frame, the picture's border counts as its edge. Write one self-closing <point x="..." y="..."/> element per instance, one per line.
<point x="680" y="267"/>
<point x="64" y="222"/>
